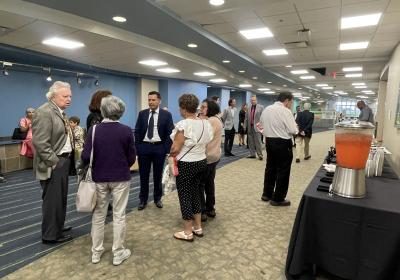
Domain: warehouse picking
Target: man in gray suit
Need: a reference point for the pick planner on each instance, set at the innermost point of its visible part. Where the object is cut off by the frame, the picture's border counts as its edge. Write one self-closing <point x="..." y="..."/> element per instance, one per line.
<point x="253" y="115"/>
<point x="53" y="141"/>
<point x="228" y="117"/>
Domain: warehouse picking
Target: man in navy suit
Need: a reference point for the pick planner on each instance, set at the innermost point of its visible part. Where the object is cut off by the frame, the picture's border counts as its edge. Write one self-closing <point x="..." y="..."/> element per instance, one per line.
<point x="152" y="131"/>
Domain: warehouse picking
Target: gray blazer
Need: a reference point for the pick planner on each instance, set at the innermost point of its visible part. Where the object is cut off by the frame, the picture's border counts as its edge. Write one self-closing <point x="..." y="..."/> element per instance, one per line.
<point x="257" y="115"/>
<point x="48" y="138"/>
<point x="228" y="118"/>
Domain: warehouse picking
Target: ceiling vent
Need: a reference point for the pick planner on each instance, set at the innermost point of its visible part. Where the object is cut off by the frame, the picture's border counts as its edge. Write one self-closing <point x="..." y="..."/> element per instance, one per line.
<point x="4" y="30"/>
<point x="296" y="45"/>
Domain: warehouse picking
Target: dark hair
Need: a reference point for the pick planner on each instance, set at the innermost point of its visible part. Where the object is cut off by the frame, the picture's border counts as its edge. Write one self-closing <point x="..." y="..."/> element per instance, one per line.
<point x="75" y="119"/>
<point x="212" y="108"/>
<point x="215" y="98"/>
<point x="243" y="105"/>
<point x="155" y="93"/>
<point x="230" y="101"/>
<point x="94" y="105"/>
<point x="285" y="96"/>
<point x="189" y="102"/>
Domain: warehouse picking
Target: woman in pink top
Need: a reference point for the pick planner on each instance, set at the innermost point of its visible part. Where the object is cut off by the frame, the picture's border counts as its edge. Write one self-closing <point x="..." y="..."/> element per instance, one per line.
<point x="210" y="110"/>
<point x="25" y="124"/>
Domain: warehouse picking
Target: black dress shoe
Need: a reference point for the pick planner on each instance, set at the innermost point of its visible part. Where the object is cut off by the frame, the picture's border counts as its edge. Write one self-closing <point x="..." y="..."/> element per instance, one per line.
<point x="307" y="157"/>
<point x="251" y="157"/>
<point x="297" y="160"/>
<point x="66" y="229"/>
<point x="260" y="157"/>
<point x="62" y="239"/>
<point x="211" y="213"/>
<point x="204" y="217"/>
<point x="279" y="203"/>
<point x="265" y="198"/>
<point x="232" y="155"/>
<point x="141" y="206"/>
<point x="159" y="204"/>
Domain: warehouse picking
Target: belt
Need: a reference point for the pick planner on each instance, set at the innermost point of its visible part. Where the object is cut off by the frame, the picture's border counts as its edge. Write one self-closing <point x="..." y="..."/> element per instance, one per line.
<point x="65" y="155"/>
<point x="153" y="143"/>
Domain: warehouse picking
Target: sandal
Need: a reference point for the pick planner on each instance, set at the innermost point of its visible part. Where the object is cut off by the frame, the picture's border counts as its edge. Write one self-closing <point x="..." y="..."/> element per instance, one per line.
<point x="198" y="232"/>
<point x="181" y="235"/>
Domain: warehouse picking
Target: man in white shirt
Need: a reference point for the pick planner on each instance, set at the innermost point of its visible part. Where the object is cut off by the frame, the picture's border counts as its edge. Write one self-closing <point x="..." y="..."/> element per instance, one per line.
<point x="228" y="117"/>
<point x="279" y="127"/>
<point x="53" y="141"/>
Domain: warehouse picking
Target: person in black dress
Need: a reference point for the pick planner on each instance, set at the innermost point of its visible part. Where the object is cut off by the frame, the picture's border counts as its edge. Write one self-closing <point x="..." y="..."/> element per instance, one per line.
<point x="242" y="131"/>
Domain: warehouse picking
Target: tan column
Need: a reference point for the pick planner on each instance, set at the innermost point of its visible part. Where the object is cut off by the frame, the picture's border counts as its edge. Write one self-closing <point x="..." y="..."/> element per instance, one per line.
<point x="380" y="110"/>
<point x="144" y="87"/>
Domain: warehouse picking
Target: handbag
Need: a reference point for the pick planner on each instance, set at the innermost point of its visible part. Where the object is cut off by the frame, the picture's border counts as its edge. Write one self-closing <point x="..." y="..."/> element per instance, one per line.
<point x="86" y="196"/>
<point x="18" y="134"/>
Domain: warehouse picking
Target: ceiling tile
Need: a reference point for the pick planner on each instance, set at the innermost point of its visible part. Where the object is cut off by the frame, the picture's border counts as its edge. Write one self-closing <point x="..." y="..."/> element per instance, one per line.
<point x="384" y="28"/>
<point x="282" y="7"/>
<point x="305" y="5"/>
<point x="282" y="20"/>
<point x="390" y="18"/>
<point x="359" y="9"/>
<point x="242" y="24"/>
<point x="394" y="6"/>
<point x="221" y="28"/>
<point x="321" y="15"/>
<point x="13" y="21"/>
<point x="238" y="15"/>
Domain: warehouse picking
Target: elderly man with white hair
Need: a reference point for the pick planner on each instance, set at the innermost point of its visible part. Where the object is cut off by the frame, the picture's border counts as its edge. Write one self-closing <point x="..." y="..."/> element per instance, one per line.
<point x="53" y="142"/>
<point x="304" y="120"/>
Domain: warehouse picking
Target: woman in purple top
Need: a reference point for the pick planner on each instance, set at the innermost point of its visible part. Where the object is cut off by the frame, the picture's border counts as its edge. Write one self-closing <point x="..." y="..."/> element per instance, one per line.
<point x="113" y="154"/>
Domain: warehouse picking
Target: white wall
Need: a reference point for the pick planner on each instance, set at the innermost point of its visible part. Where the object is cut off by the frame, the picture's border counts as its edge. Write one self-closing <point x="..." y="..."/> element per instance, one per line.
<point x="391" y="134"/>
<point x="144" y="87"/>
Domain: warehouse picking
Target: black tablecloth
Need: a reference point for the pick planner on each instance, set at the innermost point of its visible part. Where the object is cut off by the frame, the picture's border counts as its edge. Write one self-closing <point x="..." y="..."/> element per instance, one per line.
<point x="349" y="238"/>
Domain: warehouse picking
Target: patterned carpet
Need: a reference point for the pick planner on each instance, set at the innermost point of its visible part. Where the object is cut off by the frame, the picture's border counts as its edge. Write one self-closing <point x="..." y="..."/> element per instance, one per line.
<point x="247" y="240"/>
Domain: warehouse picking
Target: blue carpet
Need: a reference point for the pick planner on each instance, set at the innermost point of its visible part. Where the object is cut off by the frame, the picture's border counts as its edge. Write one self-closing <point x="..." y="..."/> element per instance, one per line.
<point x="21" y="215"/>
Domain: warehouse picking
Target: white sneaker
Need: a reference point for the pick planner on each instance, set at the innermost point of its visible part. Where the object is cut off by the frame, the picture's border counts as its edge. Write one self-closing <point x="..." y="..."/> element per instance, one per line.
<point x="96" y="256"/>
<point x="125" y="254"/>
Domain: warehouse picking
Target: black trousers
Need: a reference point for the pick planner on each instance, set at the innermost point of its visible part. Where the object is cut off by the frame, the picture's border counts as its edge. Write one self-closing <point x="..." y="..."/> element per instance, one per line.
<point x="207" y="188"/>
<point x="277" y="169"/>
<point x="154" y="156"/>
<point x="229" y="138"/>
<point x="54" y="195"/>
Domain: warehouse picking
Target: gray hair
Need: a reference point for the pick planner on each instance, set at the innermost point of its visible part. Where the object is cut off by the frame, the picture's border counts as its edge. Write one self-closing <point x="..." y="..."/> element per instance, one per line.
<point x="53" y="90"/>
<point x="112" y="107"/>
<point x="30" y="109"/>
<point x="307" y="106"/>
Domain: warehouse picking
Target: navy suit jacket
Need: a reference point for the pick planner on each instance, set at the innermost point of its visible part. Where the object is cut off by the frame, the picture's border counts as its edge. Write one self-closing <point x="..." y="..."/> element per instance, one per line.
<point x="305" y="121"/>
<point x="165" y="126"/>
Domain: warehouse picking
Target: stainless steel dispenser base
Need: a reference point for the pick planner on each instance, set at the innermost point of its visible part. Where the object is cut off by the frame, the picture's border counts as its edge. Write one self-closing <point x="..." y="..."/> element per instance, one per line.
<point x="349" y="183"/>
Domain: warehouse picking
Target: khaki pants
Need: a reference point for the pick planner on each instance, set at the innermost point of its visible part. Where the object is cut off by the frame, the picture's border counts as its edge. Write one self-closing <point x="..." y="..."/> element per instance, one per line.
<point x="302" y="144"/>
<point x="120" y="194"/>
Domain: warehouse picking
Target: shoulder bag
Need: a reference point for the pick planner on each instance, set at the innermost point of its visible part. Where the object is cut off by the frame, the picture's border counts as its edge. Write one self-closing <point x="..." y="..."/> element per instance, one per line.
<point x="86" y="196"/>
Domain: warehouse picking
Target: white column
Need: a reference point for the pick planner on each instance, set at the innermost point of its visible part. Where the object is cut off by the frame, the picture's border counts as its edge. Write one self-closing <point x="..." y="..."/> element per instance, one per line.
<point x="380" y="109"/>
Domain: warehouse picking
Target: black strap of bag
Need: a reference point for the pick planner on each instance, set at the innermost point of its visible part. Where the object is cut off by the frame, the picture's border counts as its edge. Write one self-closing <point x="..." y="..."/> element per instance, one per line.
<point x="195" y="144"/>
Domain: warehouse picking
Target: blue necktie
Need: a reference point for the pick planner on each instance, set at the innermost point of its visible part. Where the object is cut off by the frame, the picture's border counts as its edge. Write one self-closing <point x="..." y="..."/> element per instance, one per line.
<point x="150" y="128"/>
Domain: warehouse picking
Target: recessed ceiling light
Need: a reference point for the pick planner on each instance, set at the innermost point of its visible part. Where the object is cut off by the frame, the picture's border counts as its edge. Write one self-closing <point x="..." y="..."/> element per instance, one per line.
<point x="362" y="96"/>
<point x="153" y="62"/>
<point x="327" y="87"/>
<point x="256" y="33"/>
<point x="255" y="78"/>
<point x="353" y="46"/>
<point x="298" y="72"/>
<point x="367" y="90"/>
<point x="217" y="2"/>
<point x="360" y="21"/>
<point x="226" y="61"/>
<point x="275" y="52"/>
<point x="263" y="89"/>
<point x="321" y="85"/>
<point x="369" y="93"/>
<point x="269" y="92"/>
<point x="119" y="19"/>
<point x="269" y="82"/>
<point x="218" y="81"/>
<point x="288" y="66"/>
<point x="284" y="85"/>
<point x="245" y="85"/>
<point x="192" y="45"/>
<point x="352" y="69"/>
<point x="204" y="74"/>
<point x="242" y="71"/>
<point x="311" y="77"/>
<point x="168" y="70"/>
<point x="355" y="75"/>
<point x="63" y="43"/>
<point x="358" y="84"/>
<point x="299" y="88"/>
<point x="343" y="93"/>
